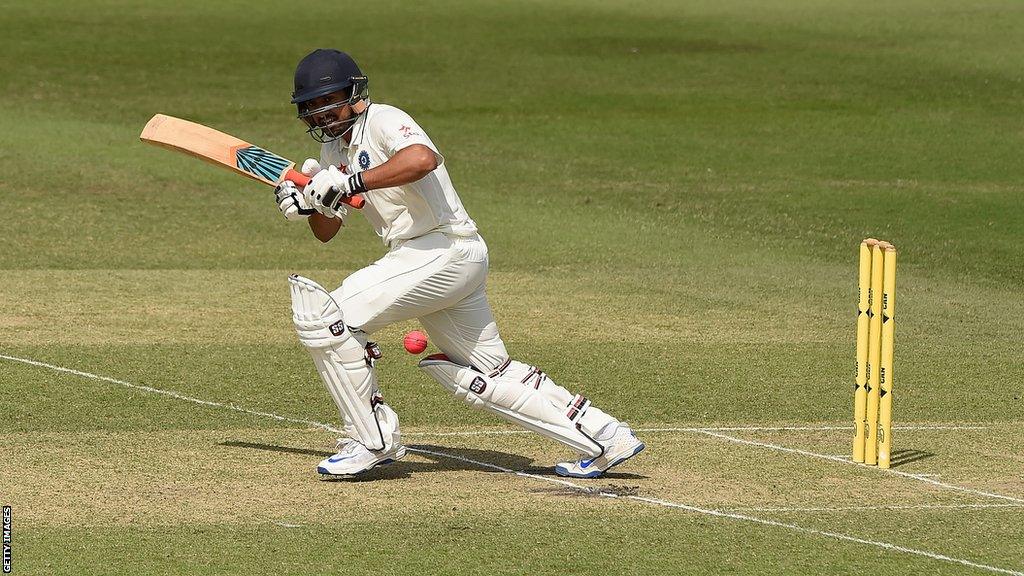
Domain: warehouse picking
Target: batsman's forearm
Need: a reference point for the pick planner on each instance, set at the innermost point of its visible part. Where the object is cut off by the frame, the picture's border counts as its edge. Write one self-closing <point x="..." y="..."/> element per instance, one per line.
<point x="408" y="165"/>
<point x="323" y="228"/>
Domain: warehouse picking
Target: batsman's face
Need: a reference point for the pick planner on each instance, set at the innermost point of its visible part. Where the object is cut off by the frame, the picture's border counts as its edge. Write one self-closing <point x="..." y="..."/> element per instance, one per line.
<point x="330" y="113"/>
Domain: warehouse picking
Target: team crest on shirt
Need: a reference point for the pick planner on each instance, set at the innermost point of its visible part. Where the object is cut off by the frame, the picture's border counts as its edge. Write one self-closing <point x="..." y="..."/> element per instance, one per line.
<point x="364" y="159"/>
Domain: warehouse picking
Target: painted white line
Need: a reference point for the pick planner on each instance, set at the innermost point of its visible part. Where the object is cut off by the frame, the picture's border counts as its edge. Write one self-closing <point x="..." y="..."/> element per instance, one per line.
<point x="938" y="427"/>
<point x="732" y="515"/>
<point x="894" y="507"/>
<point x="469" y="433"/>
<point x="170" y="393"/>
<point x="501" y="432"/>
<point x="813" y="428"/>
<point x="654" y="501"/>
<point x="520" y="473"/>
<point x="835" y="535"/>
<point x="918" y="477"/>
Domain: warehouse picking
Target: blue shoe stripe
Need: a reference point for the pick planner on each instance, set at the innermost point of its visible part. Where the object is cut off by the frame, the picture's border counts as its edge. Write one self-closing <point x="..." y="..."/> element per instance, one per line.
<point x="322" y="470"/>
<point x="563" y="471"/>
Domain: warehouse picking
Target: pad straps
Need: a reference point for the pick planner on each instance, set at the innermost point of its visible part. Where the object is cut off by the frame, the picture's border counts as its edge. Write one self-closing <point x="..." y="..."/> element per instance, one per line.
<point x="577" y="408"/>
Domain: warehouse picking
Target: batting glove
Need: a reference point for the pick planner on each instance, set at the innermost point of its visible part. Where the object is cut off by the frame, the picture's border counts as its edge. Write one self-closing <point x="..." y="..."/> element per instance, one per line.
<point x="310" y="167"/>
<point x="291" y="202"/>
<point x="326" y="191"/>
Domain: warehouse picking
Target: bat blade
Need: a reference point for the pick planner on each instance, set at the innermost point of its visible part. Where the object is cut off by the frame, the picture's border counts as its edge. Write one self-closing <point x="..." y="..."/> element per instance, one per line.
<point x="216" y="147"/>
<point x="224" y="150"/>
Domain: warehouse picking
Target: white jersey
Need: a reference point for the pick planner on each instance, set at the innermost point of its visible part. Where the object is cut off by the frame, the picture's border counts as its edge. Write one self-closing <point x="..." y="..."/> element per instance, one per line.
<point x="403" y="212"/>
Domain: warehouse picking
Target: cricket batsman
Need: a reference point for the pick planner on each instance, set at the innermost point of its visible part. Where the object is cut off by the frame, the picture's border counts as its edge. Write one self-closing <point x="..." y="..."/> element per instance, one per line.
<point x="435" y="270"/>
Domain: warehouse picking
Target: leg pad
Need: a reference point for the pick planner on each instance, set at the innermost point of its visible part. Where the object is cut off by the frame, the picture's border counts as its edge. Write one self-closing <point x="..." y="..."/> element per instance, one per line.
<point x="514" y="401"/>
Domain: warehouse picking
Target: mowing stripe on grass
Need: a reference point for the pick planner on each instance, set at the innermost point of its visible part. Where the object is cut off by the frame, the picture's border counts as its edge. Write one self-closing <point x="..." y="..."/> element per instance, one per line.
<point x="327" y="427"/>
<point x="918" y="477"/>
<point x="562" y="482"/>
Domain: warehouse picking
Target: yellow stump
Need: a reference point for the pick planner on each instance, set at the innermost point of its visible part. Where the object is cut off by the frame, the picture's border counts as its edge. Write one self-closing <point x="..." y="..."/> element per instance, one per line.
<point x="860" y="395"/>
<point x="885" y="373"/>
<point x="874" y="353"/>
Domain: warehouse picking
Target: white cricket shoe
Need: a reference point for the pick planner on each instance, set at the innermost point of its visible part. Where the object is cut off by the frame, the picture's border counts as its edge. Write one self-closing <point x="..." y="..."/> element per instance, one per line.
<point x="621" y="446"/>
<point x="353" y="458"/>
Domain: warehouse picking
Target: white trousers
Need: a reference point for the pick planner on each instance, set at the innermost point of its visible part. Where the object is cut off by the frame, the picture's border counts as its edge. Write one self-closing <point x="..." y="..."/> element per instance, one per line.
<point x="439" y="279"/>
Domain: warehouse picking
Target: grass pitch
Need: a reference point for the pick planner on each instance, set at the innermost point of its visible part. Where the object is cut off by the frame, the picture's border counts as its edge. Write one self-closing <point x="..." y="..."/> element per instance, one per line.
<point x="673" y="198"/>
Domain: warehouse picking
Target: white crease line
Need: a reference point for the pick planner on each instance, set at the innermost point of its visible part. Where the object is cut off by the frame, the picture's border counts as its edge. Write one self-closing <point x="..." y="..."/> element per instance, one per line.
<point x="812" y="428"/>
<point x="701" y="429"/>
<point x="918" y="477"/>
<point x="894" y="507"/>
<point x="665" y="503"/>
<point x="171" y="394"/>
<point x="732" y="515"/>
<point x="503" y="469"/>
<point x="836" y="535"/>
<point x="469" y="433"/>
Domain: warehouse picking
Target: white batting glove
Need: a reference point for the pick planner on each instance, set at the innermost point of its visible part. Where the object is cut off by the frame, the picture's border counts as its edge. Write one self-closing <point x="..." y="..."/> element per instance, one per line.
<point x="326" y="190"/>
<point x="291" y="202"/>
<point x="310" y="167"/>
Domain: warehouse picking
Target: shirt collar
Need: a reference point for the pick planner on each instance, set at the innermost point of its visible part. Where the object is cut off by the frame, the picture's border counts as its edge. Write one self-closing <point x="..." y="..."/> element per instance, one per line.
<point x="358" y="128"/>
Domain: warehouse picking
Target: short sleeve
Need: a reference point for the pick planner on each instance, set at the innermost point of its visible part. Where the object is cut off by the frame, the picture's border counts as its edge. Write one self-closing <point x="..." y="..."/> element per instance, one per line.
<point x="397" y="130"/>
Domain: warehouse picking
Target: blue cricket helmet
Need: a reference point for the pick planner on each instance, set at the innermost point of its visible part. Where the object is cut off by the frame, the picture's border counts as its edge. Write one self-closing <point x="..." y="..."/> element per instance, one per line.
<point x="324" y="71"/>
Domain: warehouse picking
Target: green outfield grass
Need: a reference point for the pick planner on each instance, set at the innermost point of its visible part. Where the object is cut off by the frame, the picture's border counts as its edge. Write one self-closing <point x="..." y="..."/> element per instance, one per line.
<point x="673" y="195"/>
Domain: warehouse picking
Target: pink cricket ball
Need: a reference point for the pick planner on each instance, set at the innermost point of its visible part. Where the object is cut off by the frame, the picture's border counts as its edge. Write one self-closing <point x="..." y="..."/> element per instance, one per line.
<point x="415" y="342"/>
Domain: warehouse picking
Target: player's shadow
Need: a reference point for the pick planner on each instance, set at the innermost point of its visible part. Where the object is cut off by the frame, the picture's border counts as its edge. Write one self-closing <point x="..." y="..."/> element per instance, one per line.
<point x="612" y="475"/>
<point x="442" y="459"/>
<point x="902" y="457"/>
<point x="496" y="461"/>
<point x="445" y="460"/>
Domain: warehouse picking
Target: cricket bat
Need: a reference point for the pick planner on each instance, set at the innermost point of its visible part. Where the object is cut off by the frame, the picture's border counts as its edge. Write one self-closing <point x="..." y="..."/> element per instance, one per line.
<point x="224" y="150"/>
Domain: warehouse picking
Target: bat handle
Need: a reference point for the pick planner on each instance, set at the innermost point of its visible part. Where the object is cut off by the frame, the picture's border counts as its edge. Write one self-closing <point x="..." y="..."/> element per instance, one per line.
<point x="301" y="180"/>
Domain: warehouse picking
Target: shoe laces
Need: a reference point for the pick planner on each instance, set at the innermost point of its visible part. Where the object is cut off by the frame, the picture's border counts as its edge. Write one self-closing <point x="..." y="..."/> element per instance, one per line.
<point x="346" y="445"/>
